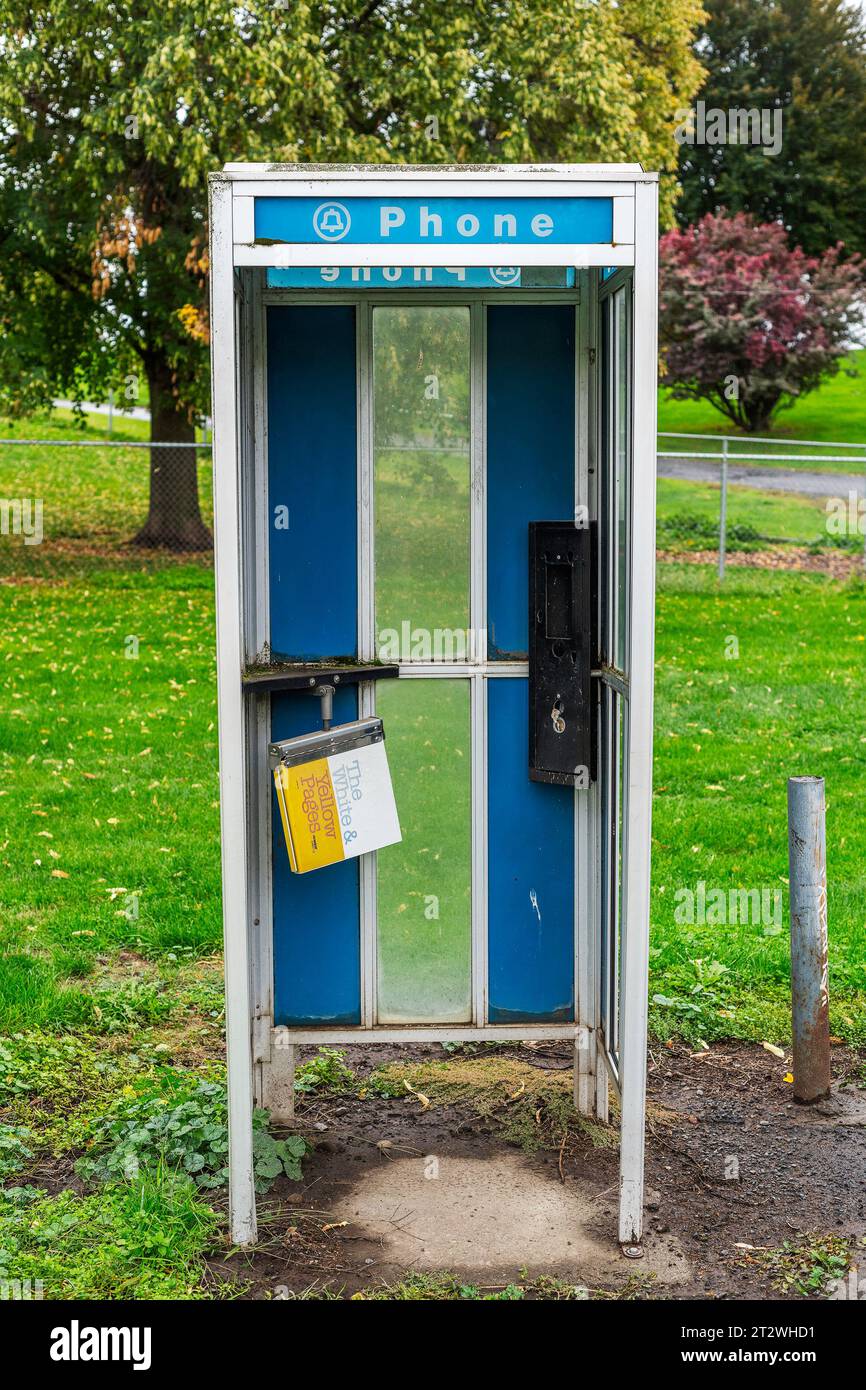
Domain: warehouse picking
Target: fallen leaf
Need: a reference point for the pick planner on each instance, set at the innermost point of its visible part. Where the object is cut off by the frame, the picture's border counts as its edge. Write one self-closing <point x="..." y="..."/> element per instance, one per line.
<point x="419" y="1095"/>
<point x="59" y="873"/>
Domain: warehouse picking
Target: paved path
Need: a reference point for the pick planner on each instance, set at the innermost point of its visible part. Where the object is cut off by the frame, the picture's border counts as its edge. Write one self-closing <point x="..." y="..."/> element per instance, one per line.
<point x="765" y="479"/>
<point x="125" y="412"/>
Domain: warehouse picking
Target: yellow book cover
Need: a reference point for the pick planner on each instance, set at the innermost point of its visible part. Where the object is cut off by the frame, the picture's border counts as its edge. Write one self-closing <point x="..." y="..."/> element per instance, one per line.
<point x="337" y="807"/>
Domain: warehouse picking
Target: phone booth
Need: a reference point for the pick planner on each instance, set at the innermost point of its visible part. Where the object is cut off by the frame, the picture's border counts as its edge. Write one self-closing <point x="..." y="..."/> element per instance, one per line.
<point x="435" y="526"/>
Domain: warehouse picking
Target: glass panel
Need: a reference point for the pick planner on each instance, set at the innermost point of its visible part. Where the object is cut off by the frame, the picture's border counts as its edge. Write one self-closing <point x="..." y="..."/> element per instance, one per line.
<point x="421" y="481"/>
<point x="425" y="883"/>
<point x="623" y="441"/>
<point x="620" y="722"/>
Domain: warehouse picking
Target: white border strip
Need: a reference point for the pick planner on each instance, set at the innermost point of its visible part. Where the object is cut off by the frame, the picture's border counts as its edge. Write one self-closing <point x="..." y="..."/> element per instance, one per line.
<point x="636" y="893"/>
<point x="284" y="254"/>
<point x="373" y="185"/>
<point x="232" y="741"/>
<point x="450" y="1032"/>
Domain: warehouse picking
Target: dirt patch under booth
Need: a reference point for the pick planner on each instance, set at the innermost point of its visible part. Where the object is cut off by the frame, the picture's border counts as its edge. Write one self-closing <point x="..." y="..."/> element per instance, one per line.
<point x="437" y="1173"/>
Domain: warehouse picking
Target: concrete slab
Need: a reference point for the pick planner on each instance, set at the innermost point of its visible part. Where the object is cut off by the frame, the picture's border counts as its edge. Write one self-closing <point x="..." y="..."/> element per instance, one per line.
<point x="495" y="1216"/>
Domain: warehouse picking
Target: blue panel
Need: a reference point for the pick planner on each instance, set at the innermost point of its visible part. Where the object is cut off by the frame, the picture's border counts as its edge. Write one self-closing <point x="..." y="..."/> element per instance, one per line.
<point x="317" y="932"/>
<point x="530" y="452"/>
<point x="312" y="481"/>
<point x="531" y="874"/>
<point x="494" y="222"/>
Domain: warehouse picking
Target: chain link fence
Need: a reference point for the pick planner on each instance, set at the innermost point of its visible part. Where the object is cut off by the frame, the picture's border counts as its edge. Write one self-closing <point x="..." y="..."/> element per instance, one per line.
<point x="66" y="503"/>
<point x="730" y="499"/>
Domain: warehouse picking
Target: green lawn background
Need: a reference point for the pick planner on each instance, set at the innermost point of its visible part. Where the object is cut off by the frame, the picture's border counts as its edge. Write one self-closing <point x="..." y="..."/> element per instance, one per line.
<point x="836" y="413"/>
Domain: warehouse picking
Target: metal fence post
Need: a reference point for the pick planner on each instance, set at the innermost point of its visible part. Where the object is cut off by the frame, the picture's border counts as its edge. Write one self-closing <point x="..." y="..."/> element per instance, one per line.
<point x="810" y="997"/>
<point x="723" y="508"/>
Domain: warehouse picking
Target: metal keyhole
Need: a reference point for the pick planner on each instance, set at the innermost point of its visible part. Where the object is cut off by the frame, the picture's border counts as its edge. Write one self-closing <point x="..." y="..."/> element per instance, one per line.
<point x="556" y="716"/>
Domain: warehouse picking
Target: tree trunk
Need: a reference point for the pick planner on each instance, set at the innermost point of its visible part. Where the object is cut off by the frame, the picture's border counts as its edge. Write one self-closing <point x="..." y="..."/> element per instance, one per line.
<point x="174" y="520"/>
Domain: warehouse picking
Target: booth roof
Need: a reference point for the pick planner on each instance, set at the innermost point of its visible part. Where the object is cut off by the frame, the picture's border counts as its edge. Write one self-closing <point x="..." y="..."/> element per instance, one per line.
<point x="386" y="171"/>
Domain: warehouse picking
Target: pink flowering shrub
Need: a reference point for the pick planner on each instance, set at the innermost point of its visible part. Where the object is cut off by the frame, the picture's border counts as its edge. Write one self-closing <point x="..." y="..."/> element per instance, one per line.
<point x="749" y="323"/>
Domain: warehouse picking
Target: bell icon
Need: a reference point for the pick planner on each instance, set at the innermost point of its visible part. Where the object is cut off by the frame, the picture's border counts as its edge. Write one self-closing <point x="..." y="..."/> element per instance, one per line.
<point x="331" y="221"/>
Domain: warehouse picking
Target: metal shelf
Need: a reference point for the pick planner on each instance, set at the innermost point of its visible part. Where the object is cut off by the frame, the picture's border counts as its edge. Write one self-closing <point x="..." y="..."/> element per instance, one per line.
<point x="308" y="675"/>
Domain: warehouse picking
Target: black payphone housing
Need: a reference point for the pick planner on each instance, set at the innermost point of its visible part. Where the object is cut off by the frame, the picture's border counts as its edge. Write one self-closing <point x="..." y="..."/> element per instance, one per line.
<point x="561" y="651"/>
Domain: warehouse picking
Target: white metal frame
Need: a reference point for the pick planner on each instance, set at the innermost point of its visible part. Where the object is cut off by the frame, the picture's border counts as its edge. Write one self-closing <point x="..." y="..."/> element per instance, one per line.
<point x="241" y="523"/>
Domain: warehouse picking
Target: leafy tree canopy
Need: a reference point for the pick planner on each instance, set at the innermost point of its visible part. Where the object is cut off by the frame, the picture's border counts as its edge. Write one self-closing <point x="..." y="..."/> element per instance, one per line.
<point x="112" y="115"/>
<point x="808" y="58"/>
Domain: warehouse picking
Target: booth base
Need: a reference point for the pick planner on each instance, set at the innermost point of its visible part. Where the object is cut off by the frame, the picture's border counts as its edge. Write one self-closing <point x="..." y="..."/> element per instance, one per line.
<point x="488" y="1217"/>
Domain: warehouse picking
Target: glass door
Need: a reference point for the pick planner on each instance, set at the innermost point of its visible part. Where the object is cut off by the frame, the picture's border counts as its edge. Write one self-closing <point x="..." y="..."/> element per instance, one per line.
<point x="473" y="436"/>
<point x="615" y="536"/>
<point x="422" y="471"/>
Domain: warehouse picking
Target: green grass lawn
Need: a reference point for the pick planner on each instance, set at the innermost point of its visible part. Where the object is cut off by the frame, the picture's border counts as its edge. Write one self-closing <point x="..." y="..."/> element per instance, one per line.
<point x="756" y="681"/>
<point x="834" y="413"/>
<point x="108" y="781"/>
<point x="108" y="774"/>
<point x="424" y="884"/>
<point x="110" y="907"/>
<point x="688" y="517"/>
<point x="110" y="919"/>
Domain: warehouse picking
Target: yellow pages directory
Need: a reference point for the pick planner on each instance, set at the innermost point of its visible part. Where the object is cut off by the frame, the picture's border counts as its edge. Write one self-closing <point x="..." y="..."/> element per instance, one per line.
<point x="337" y="807"/>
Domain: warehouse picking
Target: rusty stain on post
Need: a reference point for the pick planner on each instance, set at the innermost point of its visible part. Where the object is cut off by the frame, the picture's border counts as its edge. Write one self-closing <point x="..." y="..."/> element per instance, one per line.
<point x="810" y="995"/>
